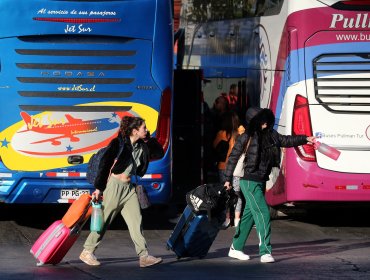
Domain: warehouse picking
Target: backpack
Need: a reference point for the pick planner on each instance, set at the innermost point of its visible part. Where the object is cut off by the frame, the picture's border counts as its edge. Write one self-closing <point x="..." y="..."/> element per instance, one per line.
<point x="209" y="198"/>
<point x="94" y="162"/>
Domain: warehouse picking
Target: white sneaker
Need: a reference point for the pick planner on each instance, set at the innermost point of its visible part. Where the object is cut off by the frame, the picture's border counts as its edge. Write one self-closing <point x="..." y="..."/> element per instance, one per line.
<point x="226" y="224"/>
<point x="238" y="254"/>
<point x="267" y="258"/>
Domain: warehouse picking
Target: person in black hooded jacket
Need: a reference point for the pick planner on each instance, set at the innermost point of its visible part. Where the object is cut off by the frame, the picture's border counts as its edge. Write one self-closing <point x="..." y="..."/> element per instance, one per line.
<point x="262" y="146"/>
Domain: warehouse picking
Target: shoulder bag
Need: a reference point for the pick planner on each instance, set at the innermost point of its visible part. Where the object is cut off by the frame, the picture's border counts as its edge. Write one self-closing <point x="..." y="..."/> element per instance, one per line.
<point x="142" y="196"/>
<point x="239" y="168"/>
<point x="141" y="193"/>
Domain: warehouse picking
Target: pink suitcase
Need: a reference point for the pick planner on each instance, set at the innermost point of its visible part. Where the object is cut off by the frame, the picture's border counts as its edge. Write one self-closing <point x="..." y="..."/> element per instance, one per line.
<point x="54" y="243"/>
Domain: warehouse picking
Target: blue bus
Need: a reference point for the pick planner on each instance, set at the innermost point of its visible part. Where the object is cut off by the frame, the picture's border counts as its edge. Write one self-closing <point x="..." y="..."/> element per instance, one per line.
<point x="69" y="71"/>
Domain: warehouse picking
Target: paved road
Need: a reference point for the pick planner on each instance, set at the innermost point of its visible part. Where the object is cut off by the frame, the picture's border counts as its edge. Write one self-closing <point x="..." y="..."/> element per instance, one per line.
<point x="324" y="248"/>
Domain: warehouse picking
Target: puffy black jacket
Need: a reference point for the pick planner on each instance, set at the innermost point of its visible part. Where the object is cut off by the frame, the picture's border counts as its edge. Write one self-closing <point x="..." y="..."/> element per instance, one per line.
<point x="122" y="162"/>
<point x="255" y="168"/>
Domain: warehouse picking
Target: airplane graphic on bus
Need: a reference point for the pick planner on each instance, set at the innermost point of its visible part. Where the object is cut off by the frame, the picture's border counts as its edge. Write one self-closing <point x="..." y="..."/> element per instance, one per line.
<point x="67" y="129"/>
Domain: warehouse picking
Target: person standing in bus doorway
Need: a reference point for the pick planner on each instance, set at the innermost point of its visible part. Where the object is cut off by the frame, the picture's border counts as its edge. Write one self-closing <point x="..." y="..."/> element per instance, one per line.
<point x="230" y="130"/>
<point x="119" y="193"/>
<point x="232" y="98"/>
<point x="261" y="143"/>
<point x="219" y="109"/>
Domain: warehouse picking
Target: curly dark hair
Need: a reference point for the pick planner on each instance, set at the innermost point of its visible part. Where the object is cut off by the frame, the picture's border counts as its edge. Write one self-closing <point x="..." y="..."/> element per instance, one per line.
<point x="128" y="124"/>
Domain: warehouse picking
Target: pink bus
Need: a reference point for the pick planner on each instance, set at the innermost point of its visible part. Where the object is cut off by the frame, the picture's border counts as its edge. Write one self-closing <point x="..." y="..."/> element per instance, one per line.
<point x="307" y="60"/>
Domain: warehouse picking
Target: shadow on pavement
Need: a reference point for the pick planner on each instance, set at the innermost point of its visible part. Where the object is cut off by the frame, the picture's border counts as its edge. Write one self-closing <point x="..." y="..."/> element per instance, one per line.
<point x="331" y="216"/>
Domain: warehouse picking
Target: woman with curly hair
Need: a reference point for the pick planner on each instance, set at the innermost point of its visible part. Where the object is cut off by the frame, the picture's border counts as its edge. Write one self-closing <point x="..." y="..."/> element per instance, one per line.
<point x="118" y="191"/>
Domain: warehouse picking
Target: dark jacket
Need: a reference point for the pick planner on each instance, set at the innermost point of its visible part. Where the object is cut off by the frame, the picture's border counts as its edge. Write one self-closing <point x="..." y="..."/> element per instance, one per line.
<point x="264" y="149"/>
<point x="123" y="161"/>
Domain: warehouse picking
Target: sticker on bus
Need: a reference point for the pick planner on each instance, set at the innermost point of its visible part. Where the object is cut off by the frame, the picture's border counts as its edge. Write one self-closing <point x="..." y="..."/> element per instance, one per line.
<point x="72" y="194"/>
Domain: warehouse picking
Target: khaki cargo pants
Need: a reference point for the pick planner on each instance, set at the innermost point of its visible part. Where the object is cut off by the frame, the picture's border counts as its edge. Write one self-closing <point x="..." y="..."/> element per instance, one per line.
<point x="120" y="197"/>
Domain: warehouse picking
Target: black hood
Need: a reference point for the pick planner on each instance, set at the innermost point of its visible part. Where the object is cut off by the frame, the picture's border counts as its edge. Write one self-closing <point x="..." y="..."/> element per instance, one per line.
<point x="263" y="116"/>
<point x="251" y="113"/>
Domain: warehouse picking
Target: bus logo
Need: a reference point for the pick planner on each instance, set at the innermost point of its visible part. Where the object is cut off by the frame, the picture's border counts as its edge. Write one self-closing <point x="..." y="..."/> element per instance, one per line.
<point x="65" y="128"/>
<point x="318" y="134"/>
<point x="360" y="21"/>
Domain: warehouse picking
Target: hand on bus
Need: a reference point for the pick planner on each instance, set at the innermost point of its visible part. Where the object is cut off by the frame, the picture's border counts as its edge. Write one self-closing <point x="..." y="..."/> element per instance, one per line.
<point x="227" y="185"/>
<point x="311" y="139"/>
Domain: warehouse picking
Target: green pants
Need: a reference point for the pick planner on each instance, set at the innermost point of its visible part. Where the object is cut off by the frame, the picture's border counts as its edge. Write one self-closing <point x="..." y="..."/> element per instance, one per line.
<point x="120" y="197"/>
<point x="255" y="212"/>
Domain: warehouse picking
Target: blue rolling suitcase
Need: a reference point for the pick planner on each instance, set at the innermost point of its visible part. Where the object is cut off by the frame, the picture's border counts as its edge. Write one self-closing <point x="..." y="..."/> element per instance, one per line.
<point x="193" y="235"/>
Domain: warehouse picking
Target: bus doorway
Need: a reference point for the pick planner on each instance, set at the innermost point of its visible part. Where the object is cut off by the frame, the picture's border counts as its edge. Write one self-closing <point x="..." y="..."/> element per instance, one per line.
<point x="187" y="138"/>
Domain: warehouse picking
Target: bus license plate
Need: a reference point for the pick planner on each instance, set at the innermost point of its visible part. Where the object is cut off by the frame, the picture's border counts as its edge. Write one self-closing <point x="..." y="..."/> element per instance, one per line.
<point x="72" y="194"/>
